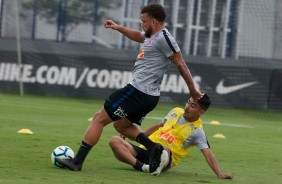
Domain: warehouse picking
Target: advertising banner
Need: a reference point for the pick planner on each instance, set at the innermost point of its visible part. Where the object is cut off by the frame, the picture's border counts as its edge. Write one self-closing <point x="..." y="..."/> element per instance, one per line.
<point x="228" y="85"/>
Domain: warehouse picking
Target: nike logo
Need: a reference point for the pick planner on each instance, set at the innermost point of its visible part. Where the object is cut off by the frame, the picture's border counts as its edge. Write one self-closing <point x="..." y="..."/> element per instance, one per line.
<point x="223" y="90"/>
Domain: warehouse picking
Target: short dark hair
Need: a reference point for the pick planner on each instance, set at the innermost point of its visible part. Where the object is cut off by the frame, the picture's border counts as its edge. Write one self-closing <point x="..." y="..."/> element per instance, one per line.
<point x="204" y="102"/>
<point x="156" y="11"/>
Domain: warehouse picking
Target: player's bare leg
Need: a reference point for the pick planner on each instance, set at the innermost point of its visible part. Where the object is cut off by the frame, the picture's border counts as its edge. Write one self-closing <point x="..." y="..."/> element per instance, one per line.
<point x="133" y="132"/>
<point x="91" y="137"/>
<point x="127" y="129"/>
<point x="124" y="152"/>
<point x="95" y="129"/>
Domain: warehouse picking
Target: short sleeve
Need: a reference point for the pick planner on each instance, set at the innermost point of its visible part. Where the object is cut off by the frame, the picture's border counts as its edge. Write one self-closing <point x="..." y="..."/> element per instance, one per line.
<point x="197" y="138"/>
<point x="201" y="140"/>
<point x="167" y="44"/>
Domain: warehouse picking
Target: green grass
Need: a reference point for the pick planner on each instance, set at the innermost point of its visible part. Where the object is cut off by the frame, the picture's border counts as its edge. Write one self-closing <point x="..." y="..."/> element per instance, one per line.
<point x="252" y="148"/>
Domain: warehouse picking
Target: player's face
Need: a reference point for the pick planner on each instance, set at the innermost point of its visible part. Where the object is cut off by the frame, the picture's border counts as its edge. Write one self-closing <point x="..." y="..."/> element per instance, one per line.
<point x="146" y="24"/>
<point x="192" y="110"/>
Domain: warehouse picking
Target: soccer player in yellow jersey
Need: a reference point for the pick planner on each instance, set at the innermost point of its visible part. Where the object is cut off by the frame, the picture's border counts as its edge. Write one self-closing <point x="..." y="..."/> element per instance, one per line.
<point x="178" y="132"/>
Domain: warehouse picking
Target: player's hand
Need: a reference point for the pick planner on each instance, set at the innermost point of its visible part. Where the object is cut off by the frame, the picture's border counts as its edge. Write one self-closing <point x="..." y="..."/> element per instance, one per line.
<point x="228" y="176"/>
<point x="122" y="136"/>
<point x="198" y="96"/>
<point x="110" y="24"/>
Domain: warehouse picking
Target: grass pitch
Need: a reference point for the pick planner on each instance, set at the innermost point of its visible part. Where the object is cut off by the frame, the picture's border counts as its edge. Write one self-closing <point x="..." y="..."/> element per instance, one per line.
<point x="251" y="150"/>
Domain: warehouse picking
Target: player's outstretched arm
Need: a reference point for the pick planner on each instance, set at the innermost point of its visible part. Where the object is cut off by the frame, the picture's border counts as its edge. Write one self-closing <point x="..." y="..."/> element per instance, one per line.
<point x="132" y="34"/>
<point x="212" y="161"/>
<point x="153" y="128"/>
<point x="178" y="60"/>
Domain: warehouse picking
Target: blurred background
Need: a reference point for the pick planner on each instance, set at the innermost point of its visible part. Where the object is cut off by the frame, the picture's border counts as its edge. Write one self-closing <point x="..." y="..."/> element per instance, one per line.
<point x="233" y="48"/>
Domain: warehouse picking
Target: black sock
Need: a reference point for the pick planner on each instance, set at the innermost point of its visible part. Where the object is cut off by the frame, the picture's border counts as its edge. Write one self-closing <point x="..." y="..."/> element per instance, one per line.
<point x="144" y="140"/>
<point x="138" y="165"/>
<point x="82" y="153"/>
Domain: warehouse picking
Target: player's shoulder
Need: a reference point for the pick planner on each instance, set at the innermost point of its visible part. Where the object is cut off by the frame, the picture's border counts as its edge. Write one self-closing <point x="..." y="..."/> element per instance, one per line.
<point x="174" y="112"/>
<point x="163" y="34"/>
<point x="178" y="108"/>
<point x="199" y="132"/>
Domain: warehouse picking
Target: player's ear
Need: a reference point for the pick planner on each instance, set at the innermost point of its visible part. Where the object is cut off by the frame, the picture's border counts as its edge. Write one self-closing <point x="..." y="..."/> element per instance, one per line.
<point x="201" y="112"/>
<point x="154" y="21"/>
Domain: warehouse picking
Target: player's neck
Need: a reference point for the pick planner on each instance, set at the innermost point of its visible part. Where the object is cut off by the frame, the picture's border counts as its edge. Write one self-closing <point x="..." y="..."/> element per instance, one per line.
<point x="191" y="119"/>
<point x="157" y="28"/>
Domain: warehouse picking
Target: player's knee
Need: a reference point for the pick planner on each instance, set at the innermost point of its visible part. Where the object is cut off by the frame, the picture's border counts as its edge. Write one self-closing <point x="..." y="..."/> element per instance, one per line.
<point x="101" y="118"/>
<point x="115" y="142"/>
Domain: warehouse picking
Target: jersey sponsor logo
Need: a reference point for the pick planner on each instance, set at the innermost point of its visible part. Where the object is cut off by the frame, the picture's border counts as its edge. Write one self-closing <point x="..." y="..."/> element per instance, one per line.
<point x="120" y="113"/>
<point x="141" y="54"/>
<point x="191" y="126"/>
<point x="167" y="136"/>
<point x="222" y="89"/>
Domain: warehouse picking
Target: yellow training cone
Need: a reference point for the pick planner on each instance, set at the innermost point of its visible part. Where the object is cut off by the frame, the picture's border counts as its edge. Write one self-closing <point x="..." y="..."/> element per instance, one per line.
<point x="221" y="136"/>
<point x="25" y="131"/>
<point x="214" y="122"/>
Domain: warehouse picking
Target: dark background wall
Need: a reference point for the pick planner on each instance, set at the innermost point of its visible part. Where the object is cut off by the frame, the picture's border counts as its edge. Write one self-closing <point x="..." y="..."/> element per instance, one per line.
<point x="84" y="70"/>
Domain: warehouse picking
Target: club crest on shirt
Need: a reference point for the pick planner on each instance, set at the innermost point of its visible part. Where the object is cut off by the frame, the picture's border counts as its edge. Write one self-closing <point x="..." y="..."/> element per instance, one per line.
<point x="150" y="41"/>
<point x="191" y="126"/>
<point x="173" y="116"/>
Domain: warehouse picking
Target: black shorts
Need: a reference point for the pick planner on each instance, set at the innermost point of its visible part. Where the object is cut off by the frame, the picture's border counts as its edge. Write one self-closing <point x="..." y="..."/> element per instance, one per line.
<point x="130" y="103"/>
<point x="143" y="156"/>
